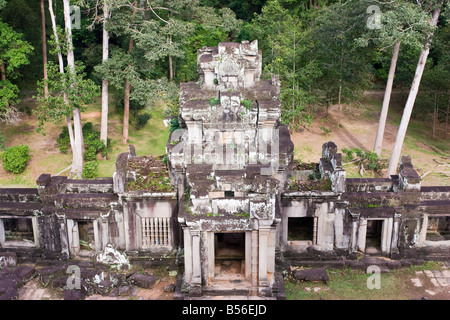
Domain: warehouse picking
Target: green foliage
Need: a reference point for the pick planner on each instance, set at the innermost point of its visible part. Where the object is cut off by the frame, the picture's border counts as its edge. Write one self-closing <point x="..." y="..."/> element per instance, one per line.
<point x="63" y="140"/>
<point x="92" y="143"/>
<point x="15" y="158"/>
<point x="14" y="53"/>
<point x="2" y="141"/>
<point x="365" y="159"/>
<point x="213" y="101"/>
<point x="174" y="124"/>
<point x="90" y="170"/>
<point x="325" y="130"/>
<point x="142" y="119"/>
<point x="248" y="104"/>
<point x="80" y="92"/>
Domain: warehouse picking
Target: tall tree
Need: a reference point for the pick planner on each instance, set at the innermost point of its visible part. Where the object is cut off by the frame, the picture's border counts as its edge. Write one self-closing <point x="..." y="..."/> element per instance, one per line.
<point x="14" y="52"/>
<point x="68" y="91"/>
<point x="395" y="157"/>
<point x="345" y="66"/>
<point x="44" y="45"/>
<point x="400" y="22"/>
<point x="126" y="98"/>
<point x="105" y="56"/>
<point x="151" y="39"/>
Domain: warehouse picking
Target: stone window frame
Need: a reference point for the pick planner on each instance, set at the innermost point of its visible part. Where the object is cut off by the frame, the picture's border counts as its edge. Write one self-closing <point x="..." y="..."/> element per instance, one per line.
<point x="35" y="228"/>
<point x="163" y="229"/>
<point x="302" y="243"/>
<point x="423" y="242"/>
<point x="386" y="234"/>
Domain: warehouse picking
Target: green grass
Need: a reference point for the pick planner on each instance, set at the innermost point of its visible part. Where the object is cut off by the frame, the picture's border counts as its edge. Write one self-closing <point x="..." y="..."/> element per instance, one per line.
<point x="151" y="139"/>
<point x="348" y="284"/>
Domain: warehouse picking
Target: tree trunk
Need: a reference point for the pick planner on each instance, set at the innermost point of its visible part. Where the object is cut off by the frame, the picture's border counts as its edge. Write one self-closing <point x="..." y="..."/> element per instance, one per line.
<point x="170" y="56"/>
<point x="3" y="76"/>
<point x="446" y="117"/>
<point x="61" y="70"/>
<point x="126" y="99"/>
<point x="2" y="70"/>
<point x="77" y="152"/>
<point x="77" y="162"/>
<point x="104" y="119"/>
<point x="55" y="33"/>
<point x="44" y="48"/>
<point x="386" y="100"/>
<point x="435" y="115"/>
<point x="170" y="67"/>
<point x="395" y="157"/>
<point x="339" y="104"/>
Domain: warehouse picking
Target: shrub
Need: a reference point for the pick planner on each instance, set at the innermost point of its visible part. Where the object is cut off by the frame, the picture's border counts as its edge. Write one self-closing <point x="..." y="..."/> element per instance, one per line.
<point x="90" y="170"/>
<point x="174" y="124"/>
<point x="63" y="140"/>
<point x="248" y="104"/>
<point x="142" y="119"/>
<point x="214" y="101"/>
<point x="15" y="158"/>
<point x="92" y="143"/>
<point x="2" y="141"/>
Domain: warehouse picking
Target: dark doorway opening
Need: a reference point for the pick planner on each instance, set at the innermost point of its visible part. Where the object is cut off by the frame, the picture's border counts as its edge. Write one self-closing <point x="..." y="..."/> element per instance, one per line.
<point x="438" y="229"/>
<point x="18" y="232"/>
<point x="229" y="253"/>
<point x="86" y="236"/>
<point x="300" y="229"/>
<point x="373" y="237"/>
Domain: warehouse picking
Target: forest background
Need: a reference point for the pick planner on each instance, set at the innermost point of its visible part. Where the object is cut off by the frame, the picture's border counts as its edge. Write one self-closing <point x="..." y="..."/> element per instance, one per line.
<point x="76" y="96"/>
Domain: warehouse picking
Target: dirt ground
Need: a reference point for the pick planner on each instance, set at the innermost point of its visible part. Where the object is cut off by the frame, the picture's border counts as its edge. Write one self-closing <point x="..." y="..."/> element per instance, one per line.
<point x="33" y="290"/>
<point x="358" y="129"/>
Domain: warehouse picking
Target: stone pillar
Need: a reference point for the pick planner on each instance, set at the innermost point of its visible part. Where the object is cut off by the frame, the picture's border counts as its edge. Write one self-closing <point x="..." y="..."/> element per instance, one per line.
<point x="254" y="263"/>
<point x="105" y="233"/>
<point x="63" y="235"/>
<point x="211" y="255"/>
<point x="187" y="254"/>
<point x="423" y="231"/>
<point x="248" y="255"/>
<point x="196" y="283"/>
<point x="97" y="240"/>
<point x="263" y="280"/>
<point x="395" y="234"/>
<point x="386" y="236"/>
<point x="271" y="250"/>
<point x="2" y="234"/>
<point x="34" y="223"/>
<point x="73" y="237"/>
<point x="354" y="238"/>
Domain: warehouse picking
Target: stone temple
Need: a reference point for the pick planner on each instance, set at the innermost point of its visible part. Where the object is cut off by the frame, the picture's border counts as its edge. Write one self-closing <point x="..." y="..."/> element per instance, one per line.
<point x="228" y="206"/>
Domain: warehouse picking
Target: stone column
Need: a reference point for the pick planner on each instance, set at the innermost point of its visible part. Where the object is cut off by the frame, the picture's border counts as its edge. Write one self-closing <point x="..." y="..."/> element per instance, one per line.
<point x="2" y="234"/>
<point x="423" y="231"/>
<point x="196" y="283"/>
<point x="105" y="233"/>
<point x="196" y="257"/>
<point x="354" y="238"/>
<point x="254" y="262"/>
<point x="97" y="240"/>
<point x="187" y="254"/>
<point x="73" y="237"/>
<point x="63" y="235"/>
<point x="395" y="234"/>
<point x="34" y="222"/>
<point x="248" y="255"/>
<point x="262" y="270"/>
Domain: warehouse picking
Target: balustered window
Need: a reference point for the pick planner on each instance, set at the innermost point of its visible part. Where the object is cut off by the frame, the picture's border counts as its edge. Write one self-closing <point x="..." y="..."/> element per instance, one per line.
<point x="156" y="232"/>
